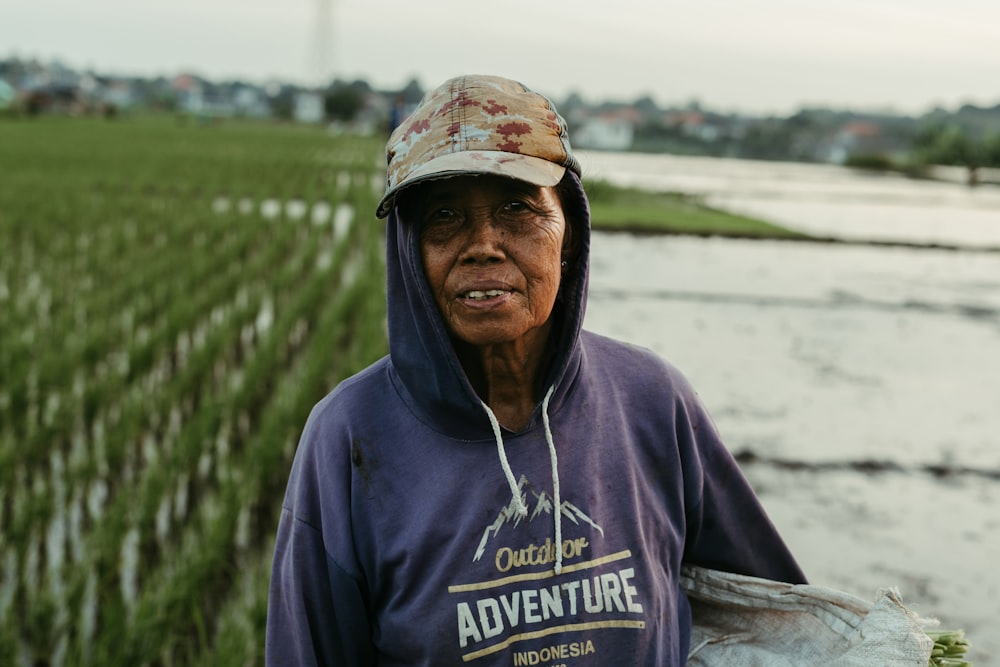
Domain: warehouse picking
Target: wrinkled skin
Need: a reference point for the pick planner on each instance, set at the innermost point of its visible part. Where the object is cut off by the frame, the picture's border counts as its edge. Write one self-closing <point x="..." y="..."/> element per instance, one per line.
<point x="492" y="250"/>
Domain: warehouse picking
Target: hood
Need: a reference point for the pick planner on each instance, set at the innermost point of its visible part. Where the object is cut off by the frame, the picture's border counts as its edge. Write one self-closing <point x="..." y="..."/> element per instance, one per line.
<point x="420" y="348"/>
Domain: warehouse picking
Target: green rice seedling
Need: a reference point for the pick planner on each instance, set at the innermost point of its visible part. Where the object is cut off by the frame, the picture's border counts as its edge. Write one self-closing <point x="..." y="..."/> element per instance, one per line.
<point x="950" y="647"/>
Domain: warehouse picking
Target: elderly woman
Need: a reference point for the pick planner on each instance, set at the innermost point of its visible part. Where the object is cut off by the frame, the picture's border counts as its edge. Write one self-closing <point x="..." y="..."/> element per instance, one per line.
<point x="504" y="488"/>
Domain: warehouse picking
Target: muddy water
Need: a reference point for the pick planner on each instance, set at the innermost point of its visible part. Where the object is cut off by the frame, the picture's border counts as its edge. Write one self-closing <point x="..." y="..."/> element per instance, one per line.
<point x="861" y="388"/>
<point x="820" y="199"/>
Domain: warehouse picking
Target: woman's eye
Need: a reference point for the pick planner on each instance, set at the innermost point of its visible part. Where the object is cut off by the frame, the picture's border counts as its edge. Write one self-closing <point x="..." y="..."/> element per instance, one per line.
<point x="440" y="223"/>
<point x="515" y="206"/>
<point x="442" y="215"/>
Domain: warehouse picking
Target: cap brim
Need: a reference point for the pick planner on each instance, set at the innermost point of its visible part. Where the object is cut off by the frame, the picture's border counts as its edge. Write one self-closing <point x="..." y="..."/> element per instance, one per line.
<point x="527" y="168"/>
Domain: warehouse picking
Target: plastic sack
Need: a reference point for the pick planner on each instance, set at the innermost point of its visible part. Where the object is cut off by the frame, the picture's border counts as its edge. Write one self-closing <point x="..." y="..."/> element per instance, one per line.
<point x="744" y="621"/>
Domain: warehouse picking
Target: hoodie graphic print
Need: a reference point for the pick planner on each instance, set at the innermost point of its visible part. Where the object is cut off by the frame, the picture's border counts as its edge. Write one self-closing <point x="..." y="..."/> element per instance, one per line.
<point x="403" y="541"/>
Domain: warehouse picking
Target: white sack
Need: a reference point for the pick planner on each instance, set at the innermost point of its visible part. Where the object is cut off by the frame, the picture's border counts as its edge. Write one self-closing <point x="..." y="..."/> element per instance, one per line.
<point x="741" y="621"/>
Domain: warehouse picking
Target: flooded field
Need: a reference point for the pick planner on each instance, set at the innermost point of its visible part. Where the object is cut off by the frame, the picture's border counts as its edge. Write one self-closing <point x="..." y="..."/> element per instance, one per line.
<point x="820" y="199"/>
<point x="858" y="385"/>
<point x="859" y="388"/>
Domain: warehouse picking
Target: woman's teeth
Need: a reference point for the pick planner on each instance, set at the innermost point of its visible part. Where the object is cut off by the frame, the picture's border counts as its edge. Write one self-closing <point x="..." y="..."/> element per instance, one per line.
<point x="488" y="294"/>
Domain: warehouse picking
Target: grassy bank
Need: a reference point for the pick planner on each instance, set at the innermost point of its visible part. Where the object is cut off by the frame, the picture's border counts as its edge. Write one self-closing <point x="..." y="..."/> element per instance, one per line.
<point x="615" y="208"/>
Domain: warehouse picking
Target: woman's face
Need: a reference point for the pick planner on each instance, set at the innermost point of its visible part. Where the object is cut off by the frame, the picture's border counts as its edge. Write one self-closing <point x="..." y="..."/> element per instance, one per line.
<point x="492" y="249"/>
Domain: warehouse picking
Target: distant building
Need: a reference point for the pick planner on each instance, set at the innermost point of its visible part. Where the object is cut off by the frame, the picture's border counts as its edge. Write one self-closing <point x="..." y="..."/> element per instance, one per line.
<point x="605" y="133"/>
<point x="118" y="93"/>
<point x="693" y="123"/>
<point x="308" y="107"/>
<point x="858" y="137"/>
<point x="202" y="98"/>
<point x="249" y="101"/>
<point x="7" y="94"/>
<point x="190" y="94"/>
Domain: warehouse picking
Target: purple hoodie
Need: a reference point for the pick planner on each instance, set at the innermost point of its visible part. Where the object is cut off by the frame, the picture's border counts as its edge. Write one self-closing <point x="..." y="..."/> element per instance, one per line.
<point x="404" y="538"/>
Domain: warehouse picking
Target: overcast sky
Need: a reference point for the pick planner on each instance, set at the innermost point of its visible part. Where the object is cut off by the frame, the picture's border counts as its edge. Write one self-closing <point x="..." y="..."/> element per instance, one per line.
<point x="765" y="56"/>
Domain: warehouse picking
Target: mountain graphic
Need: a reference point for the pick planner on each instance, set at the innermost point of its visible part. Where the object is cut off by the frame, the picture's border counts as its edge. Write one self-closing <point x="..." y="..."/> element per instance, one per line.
<point x="543" y="505"/>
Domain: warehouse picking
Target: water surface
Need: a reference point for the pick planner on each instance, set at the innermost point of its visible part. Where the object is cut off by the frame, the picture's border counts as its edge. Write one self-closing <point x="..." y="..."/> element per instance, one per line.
<point x="861" y="387"/>
<point x="817" y="198"/>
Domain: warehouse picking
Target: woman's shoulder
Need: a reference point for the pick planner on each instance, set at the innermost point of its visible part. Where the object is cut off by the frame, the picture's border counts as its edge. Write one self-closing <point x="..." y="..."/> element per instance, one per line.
<point x="637" y="372"/>
<point x="622" y="357"/>
<point x="354" y="397"/>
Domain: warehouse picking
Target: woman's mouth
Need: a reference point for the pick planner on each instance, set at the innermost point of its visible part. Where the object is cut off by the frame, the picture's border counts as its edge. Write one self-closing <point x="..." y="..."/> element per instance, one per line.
<point x="483" y="295"/>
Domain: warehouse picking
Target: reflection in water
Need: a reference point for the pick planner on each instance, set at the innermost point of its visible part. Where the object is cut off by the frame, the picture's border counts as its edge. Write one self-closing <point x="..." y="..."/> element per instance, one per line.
<point x="825" y="200"/>
<point x="859" y="385"/>
<point x="903" y="343"/>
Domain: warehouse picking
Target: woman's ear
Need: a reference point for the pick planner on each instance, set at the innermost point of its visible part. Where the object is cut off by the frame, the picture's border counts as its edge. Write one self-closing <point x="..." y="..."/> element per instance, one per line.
<point x="569" y="198"/>
<point x="568" y="252"/>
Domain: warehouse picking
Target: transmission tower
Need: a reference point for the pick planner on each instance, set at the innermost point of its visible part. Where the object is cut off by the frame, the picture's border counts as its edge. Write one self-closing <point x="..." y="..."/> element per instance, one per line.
<point x="321" y="60"/>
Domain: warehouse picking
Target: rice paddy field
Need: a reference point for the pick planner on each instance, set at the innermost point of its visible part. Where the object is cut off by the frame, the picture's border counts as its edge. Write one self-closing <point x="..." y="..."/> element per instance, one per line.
<point x="174" y="297"/>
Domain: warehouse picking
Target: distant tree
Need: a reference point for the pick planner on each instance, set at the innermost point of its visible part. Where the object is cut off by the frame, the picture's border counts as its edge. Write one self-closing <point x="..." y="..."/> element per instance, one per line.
<point x="162" y="99"/>
<point x="767" y="139"/>
<point x="412" y="92"/>
<point x="343" y="103"/>
<point x="802" y="120"/>
<point x="361" y="86"/>
<point x="951" y="144"/>
<point x="946" y="144"/>
<point x="991" y="151"/>
<point x="572" y="101"/>
<point x="283" y="104"/>
<point x="646" y="105"/>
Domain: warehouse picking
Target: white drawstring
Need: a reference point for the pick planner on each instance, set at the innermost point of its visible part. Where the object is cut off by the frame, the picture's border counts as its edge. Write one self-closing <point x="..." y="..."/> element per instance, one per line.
<point x="519" y="507"/>
<point x="557" y="511"/>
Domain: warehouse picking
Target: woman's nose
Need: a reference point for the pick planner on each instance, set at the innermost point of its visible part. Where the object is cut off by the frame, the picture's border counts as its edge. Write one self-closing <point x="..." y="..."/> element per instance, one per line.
<point x="485" y="239"/>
